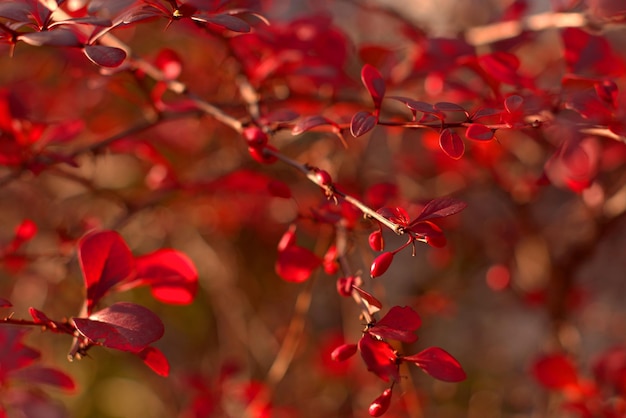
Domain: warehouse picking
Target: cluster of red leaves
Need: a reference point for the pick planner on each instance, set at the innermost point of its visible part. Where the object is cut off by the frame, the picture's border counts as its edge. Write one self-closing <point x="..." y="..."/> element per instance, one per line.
<point x="20" y="375"/>
<point x="604" y="395"/>
<point x="380" y="358"/>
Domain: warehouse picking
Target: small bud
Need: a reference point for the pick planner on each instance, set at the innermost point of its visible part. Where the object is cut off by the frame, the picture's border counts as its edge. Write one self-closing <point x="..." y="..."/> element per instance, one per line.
<point x="381" y="404"/>
<point x="381" y="264"/>
<point x="344" y="286"/>
<point x="343" y="352"/>
<point x="376" y="241"/>
<point x="255" y="136"/>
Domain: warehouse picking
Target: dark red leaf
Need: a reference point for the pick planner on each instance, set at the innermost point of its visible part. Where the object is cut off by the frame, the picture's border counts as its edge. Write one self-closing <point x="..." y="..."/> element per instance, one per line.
<point x="439" y="364"/>
<point x="307" y="123"/>
<point x="374" y="83"/>
<point x="122" y="326"/>
<point x="380" y="404"/>
<point x="58" y="37"/>
<point x="170" y="63"/>
<point x="379" y="357"/>
<point x="370" y="299"/>
<point x="485" y="112"/>
<point x="225" y="21"/>
<point x="587" y="53"/>
<point x="451" y="143"/>
<point x="156" y="360"/>
<point x="440" y="208"/>
<point x="4" y="303"/>
<point x="396" y="214"/>
<point x="513" y="103"/>
<point x="45" y="375"/>
<point x="344" y="352"/>
<point x="39" y="316"/>
<point x="400" y="324"/>
<point x="449" y="107"/>
<point x="555" y="371"/>
<point x="105" y="56"/>
<point x="88" y="20"/>
<point x="362" y="122"/>
<point x="19" y="12"/>
<point x="13" y="353"/>
<point x="171" y="275"/>
<point x="479" y="132"/>
<point x="105" y="261"/>
<point x="295" y="264"/>
<point x="381" y="264"/>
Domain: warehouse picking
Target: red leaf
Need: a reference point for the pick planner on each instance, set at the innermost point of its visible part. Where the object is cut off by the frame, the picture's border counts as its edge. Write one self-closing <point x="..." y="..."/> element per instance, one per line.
<point x="295" y="264"/>
<point x="439" y="364"/>
<point x="46" y="375"/>
<point x="278" y="188"/>
<point x="122" y="326"/>
<point x="451" y="143"/>
<point x="310" y="122"/>
<point x="171" y="275"/>
<point x="485" y="112"/>
<point x="374" y="83"/>
<point x="449" y="107"/>
<point x="105" y="261"/>
<point x="156" y="360"/>
<point x="368" y="297"/>
<point x="380" y="404"/>
<point x="396" y="214"/>
<point x="379" y="357"/>
<point x="38" y="316"/>
<point x="513" y="103"/>
<point x="225" y="21"/>
<point x="344" y="352"/>
<point x="13" y="353"/>
<point x="58" y="37"/>
<point x="440" y="208"/>
<point x="362" y="122"/>
<point x="478" y="132"/>
<point x="400" y="324"/>
<point x="4" y="303"/>
<point x="555" y="371"/>
<point x="381" y="264"/>
<point x="106" y="56"/>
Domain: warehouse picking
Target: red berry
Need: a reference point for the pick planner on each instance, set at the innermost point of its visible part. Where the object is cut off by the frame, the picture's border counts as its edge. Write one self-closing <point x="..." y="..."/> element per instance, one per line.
<point x="343" y="352"/>
<point x="255" y="136"/>
<point x="381" y="404"/>
<point x="381" y="264"/>
<point x="376" y="241"/>
<point x="323" y="178"/>
<point x="258" y="154"/>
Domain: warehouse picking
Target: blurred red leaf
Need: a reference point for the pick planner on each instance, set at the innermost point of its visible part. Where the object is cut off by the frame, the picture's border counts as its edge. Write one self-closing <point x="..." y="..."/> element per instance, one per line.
<point x="14" y="354"/>
<point x="122" y="326"/>
<point x="105" y="261"/>
<point x="307" y="123"/>
<point x="225" y="21"/>
<point x="279" y="188"/>
<point x="451" y="143"/>
<point x="156" y="360"/>
<point x="368" y="297"/>
<point x="439" y="364"/>
<point x="379" y="357"/>
<point x="295" y="264"/>
<point x="555" y="371"/>
<point x="400" y="324"/>
<point x="374" y="83"/>
<point x="478" y="132"/>
<point x="362" y="122"/>
<point x="590" y="54"/>
<point x="46" y="375"/>
<point x="171" y="275"/>
<point x="4" y="303"/>
<point x="395" y="214"/>
<point x="105" y="56"/>
<point x="57" y="37"/>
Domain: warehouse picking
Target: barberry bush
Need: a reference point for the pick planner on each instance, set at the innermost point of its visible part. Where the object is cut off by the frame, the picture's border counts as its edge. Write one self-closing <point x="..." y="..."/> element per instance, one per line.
<point x="252" y="208"/>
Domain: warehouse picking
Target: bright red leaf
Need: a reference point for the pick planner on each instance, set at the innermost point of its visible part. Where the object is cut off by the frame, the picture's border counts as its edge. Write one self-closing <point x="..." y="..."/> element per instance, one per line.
<point x="105" y="261"/>
<point x="156" y="360"/>
<point x="440" y="208"/>
<point x="381" y="264"/>
<point x="400" y="324"/>
<point x="379" y="357"/>
<point x="439" y="364"/>
<point x="451" y="143"/>
<point x="370" y="299"/>
<point x="374" y="83"/>
<point x="123" y="326"/>
<point x="295" y="264"/>
<point x="172" y="276"/>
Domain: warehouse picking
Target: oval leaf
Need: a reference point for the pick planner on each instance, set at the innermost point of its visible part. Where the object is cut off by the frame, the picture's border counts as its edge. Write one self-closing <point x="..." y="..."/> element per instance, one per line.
<point x="105" y="56"/>
<point x="479" y="132"/>
<point x="362" y="122"/>
<point x="122" y="326"/>
<point x="105" y="261"/>
<point x="379" y="357"/>
<point x="374" y="83"/>
<point x="451" y="143"/>
<point x="156" y="360"/>
<point x="311" y="122"/>
<point x="400" y="324"/>
<point x="439" y="364"/>
<point x="171" y="275"/>
<point x="295" y="264"/>
<point x="58" y="37"/>
<point x="439" y="208"/>
<point x="555" y="371"/>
